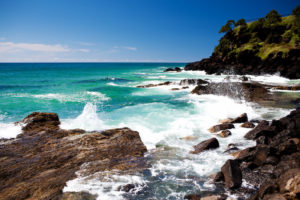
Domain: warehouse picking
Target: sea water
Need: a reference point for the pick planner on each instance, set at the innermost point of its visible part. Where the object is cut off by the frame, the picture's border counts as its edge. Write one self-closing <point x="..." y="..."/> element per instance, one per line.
<point x="99" y="96"/>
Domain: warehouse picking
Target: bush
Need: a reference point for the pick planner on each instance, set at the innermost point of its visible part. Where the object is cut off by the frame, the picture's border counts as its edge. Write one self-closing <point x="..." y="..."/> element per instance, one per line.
<point x="272" y="17"/>
<point x="241" y="22"/>
<point x="296" y="11"/>
<point x="227" y="27"/>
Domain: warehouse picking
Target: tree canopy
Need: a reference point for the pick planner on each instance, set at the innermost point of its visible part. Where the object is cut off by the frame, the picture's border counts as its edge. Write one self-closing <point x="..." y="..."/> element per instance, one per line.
<point x="227" y="27"/>
<point x="273" y="17"/>
<point x="241" y="22"/>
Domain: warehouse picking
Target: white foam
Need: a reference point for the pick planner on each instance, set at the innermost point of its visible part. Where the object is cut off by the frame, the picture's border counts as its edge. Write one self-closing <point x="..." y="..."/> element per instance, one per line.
<point x="9" y="130"/>
<point x="87" y="120"/>
<point x="105" y="185"/>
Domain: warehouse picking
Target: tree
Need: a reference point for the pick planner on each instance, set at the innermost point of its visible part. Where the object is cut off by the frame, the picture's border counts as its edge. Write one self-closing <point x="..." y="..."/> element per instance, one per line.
<point x="241" y="22"/>
<point x="227" y="27"/>
<point x="296" y="12"/>
<point x="273" y="17"/>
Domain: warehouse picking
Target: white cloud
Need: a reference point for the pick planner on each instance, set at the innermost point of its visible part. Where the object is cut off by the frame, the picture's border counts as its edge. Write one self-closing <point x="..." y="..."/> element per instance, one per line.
<point x="83" y="50"/>
<point x="130" y="48"/>
<point x="15" y="47"/>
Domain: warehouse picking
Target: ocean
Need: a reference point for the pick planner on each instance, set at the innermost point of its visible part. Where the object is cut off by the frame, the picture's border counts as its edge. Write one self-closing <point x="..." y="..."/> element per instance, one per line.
<point x="99" y="96"/>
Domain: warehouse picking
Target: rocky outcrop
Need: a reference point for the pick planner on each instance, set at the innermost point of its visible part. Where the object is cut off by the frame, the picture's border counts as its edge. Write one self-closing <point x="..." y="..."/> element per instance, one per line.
<point x="225" y="133"/>
<point x="39" y="162"/>
<point x="272" y="167"/>
<point x="247" y="125"/>
<point x="248" y="63"/>
<point x="212" y="143"/>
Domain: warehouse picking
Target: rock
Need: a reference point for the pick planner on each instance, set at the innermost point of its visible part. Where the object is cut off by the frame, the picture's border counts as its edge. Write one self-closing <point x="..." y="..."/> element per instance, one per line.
<point x="244" y="78"/>
<point x="275" y="196"/>
<point x="220" y="127"/>
<point x="217" y="177"/>
<point x="38" y="121"/>
<point x="185" y="87"/>
<point x="232" y="174"/>
<point x="192" y="197"/>
<point x="176" y="69"/>
<point x="261" y="129"/>
<point x="224" y="133"/>
<point x="189" y="138"/>
<point x="126" y="188"/>
<point x="212" y="143"/>
<point x="223" y="121"/>
<point x="193" y="82"/>
<point x="175" y="89"/>
<point x="289" y="183"/>
<point x="231" y="150"/>
<point x="78" y="196"/>
<point x="154" y="85"/>
<point x="212" y="197"/>
<point x="240" y="119"/>
<point x="247" y="125"/>
<point x="44" y="157"/>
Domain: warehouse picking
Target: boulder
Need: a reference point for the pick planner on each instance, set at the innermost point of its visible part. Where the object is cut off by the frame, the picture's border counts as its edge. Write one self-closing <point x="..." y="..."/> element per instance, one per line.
<point x="126" y="188"/>
<point x="220" y="127"/>
<point x="192" y="197"/>
<point x="232" y="174"/>
<point x="176" y="69"/>
<point x="262" y="128"/>
<point x="209" y="144"/>
<point x="225" y="133"/>
<point x="247" y="125"/>
<point x="240" y="119"/>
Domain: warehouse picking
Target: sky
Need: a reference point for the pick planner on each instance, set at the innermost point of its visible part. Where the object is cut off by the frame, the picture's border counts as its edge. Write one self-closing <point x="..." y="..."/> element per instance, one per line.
<point x="120" y="31"/>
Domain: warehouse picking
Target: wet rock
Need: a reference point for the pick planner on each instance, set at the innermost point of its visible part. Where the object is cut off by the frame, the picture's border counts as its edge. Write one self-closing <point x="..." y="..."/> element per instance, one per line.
<point x="126" y="188"/>
<point x="212" y="143"/>
<point x="189" y="138"/>
<point x="185" y="87"/>
<point x="78" y="196"/>
<point x="225" y="133"/>
<point x="240" y="119"/>
<point x="244" y="78"/>
<point x="174" y="89"/>
<point x="193" y="82"/>
<point x="228" y="120"/>
<point x="262" y="128"/>
<point x="248" y="125"/>
<point x="213" y="197"/>
<point x="220" y="127"/>
<point x="231" y="150"/>
<point x="176" y="69"/>
<point x="44" y="157"/>
<point x="289" y="183"/>
<point x="192" y="197"/>
<point x="232" y="174"/>
<point x="217" y="177"/>
<point x="154" y="85"/>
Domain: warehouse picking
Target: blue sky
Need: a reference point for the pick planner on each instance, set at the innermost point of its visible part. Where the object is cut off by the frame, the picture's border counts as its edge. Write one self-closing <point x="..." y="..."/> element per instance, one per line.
<point x="123" y="30"/>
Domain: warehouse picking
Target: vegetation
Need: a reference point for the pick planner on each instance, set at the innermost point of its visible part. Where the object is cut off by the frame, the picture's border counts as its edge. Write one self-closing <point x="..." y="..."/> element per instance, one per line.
<point x="272" y="34"/>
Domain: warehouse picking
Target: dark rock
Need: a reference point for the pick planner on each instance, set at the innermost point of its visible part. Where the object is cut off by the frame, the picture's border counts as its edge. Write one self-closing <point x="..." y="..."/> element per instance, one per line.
<point x="232" y="174"/>
<point x="232" y="150"/>
<point x="154" y="85"/>
<point x="192" y="196"/>
<point x="212" y="143"/>
<point x="262" y="128"/>
<point x="240" y="119"/>
<point x="255" y="121"/>
<point x="224" y="133"/>
<point x="174" y="89"/>
<point x="220" y="127"/>
<point x="44" y="157"/>
<point x="192" y="82"/>
<point x="244" y="78"/>
<point x="248" y="125"/>
<point x="218" y="177"/>
<point x="126" y="188"/>
<point x="176" y="69"/>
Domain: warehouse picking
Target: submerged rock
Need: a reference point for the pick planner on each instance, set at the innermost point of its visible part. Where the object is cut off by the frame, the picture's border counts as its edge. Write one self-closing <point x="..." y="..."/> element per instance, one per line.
<point x="176" y="69"/>
<point x="154" y="85"/>
<point x="44" y="157"/>
<point x="212" y="143"/>
<point x="193" y="82"/>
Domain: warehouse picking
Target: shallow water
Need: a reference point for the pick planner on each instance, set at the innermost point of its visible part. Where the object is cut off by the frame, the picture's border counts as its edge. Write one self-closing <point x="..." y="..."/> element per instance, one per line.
<point x="95" y="96"/>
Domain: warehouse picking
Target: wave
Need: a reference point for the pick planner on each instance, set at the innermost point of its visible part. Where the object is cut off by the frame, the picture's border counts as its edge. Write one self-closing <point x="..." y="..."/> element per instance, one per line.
<point x="114" y="79"/>
<point x="87" y="120"/>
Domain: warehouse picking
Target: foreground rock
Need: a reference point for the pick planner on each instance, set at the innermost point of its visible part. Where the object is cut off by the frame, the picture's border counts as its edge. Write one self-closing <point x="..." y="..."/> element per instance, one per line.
<point x="232" y="174"/>
<point x="44" y="157"/>
<point x="220" y="127"/>
<point x="212" y="143"/>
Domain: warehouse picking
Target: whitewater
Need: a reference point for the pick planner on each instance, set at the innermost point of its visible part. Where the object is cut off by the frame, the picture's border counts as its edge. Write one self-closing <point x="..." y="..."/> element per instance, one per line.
<point x="99" y="96"/>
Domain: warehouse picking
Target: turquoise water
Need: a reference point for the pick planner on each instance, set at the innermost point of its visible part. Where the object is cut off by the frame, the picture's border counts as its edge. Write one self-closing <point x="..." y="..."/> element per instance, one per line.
<point x="98" y="96"/>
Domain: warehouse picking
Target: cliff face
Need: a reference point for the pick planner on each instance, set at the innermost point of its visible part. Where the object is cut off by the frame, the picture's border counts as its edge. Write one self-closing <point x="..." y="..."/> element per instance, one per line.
<point x="259" y="47"/>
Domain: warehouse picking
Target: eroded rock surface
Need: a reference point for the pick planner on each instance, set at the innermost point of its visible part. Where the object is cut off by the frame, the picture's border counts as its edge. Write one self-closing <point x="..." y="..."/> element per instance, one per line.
<point x="39" y="162"/>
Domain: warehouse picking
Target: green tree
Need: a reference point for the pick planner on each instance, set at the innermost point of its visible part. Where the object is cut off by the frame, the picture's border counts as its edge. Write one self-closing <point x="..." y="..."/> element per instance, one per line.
<point x="296" y="11"/>
<point x="227" y="27"/>
<point x="273" y="17"/>
<point x="241" y="22"/>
